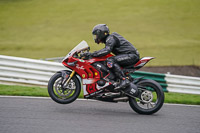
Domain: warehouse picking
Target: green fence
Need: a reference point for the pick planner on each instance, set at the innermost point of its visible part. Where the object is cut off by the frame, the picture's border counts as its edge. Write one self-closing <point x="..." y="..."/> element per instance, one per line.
<point x="160" y="78"/>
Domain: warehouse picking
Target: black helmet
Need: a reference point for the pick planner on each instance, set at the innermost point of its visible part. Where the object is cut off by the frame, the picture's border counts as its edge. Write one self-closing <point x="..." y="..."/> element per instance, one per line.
<point x="99" y="32"/>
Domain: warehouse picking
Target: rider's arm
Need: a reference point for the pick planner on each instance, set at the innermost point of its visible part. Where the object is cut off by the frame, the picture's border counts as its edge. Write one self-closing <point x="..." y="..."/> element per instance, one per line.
<point x="110" y="43"/>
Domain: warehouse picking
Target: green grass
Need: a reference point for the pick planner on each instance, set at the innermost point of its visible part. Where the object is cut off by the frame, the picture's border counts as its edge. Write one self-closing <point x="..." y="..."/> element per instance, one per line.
<point x="42" y="92"/>
<point x="182" y="98"/>
<point x="15" y="90"/>
<point x="166" y="29"/>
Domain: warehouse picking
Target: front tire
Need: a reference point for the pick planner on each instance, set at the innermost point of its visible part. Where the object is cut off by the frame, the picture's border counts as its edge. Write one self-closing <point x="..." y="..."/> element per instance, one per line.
<point x="66" y="94"/>
<point x="151" y="97"/>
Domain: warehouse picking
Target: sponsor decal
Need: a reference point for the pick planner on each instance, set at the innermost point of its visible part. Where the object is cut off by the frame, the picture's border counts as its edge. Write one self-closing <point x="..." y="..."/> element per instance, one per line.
<point x="95" y="73"/>
<point x="91" y="61"/>
<point x="83" y="75"/>
<point x="79" y="67"/>
<point x="110" y="64"/>
<point x="132" y="91"/>
<point x="81" y="60"/>
<point x="99" y="65"/>
<point x="123" y="58"/>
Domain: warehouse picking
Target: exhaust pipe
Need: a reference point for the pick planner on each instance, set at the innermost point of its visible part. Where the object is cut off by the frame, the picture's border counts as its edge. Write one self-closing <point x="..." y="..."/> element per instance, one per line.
<point x="123" y="99"/>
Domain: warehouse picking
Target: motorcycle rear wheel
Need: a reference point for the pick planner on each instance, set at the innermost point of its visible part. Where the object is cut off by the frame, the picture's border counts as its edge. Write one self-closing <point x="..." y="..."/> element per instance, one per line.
<point x="66" y="94"/>
<point x="151" y="97"/>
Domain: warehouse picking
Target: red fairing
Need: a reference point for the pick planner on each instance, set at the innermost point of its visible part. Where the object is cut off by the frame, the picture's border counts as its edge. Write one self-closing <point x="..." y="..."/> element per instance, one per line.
<point x="83" y="67"/>
<point x="143" y="61"/>
<point x="89" y="74"/>
<point x="86" y="71"/>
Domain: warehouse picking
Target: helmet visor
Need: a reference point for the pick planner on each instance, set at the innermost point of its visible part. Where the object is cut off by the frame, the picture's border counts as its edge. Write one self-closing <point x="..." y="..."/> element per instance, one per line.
<point x="95" y="37"/>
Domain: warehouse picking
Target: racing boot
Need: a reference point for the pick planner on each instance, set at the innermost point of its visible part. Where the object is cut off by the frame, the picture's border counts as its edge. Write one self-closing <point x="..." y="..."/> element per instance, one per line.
<point x="124" y="82"/>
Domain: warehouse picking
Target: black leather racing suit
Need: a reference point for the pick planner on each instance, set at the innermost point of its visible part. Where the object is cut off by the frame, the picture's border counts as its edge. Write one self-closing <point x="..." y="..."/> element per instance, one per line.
<point x="125" y="53"/>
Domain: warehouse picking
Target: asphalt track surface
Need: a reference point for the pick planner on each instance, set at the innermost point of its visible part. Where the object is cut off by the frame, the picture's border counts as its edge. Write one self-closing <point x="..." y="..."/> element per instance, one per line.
<point x="42" y="115"/>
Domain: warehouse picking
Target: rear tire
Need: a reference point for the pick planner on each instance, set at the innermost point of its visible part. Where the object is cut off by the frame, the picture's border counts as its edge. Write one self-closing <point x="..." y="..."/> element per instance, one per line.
<point x="66" y="95"/>
<point x="153" y="97"/>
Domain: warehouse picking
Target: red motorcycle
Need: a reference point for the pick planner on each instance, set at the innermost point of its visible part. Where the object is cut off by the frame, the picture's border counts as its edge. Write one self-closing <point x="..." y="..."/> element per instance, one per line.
<point x="145" y="96"/>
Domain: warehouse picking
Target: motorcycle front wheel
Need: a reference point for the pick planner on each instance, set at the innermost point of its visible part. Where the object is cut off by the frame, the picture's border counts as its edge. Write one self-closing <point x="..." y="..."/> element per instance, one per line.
<point x="62" y="93"/>
<point x="150" y="99"/>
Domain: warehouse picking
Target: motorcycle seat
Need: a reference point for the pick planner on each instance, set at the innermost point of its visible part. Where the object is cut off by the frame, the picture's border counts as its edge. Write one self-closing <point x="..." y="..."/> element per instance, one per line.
<point x="129" y="67"/>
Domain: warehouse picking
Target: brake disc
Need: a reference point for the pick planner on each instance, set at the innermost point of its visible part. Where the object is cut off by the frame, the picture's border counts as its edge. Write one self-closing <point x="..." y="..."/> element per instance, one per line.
<point x="146" y="96"/>
<point x="64" y="91"/>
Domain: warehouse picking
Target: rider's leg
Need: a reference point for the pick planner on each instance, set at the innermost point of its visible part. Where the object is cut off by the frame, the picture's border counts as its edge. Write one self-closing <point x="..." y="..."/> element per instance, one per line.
<point x="124" y="82"/>
<point x="115" y="62"/>
<point x="112" y="64"/>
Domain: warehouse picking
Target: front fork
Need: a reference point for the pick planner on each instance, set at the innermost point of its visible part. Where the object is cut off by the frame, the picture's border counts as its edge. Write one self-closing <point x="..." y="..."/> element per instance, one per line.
<point x="66" y="78"/>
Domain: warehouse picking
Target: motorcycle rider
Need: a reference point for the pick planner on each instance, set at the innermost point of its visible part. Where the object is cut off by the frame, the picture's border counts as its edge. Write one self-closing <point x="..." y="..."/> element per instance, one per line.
<point x="125" y="53"/>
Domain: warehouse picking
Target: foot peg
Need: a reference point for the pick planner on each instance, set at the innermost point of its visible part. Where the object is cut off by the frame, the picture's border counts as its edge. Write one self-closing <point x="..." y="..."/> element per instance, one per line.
<point x="112" y="81"/>
<point x="124" y="83"/>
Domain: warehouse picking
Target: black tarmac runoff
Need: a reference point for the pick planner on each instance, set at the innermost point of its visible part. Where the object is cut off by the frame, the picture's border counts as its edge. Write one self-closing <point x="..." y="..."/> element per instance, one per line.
<point x="42" y="115"/>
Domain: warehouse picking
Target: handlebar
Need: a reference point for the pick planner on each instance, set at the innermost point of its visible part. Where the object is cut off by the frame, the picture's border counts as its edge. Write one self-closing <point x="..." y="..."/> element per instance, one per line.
<point x="85" y="56"/>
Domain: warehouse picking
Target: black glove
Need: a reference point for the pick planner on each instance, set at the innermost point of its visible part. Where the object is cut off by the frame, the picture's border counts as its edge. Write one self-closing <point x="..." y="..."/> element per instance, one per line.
<point x="87" y="54"/>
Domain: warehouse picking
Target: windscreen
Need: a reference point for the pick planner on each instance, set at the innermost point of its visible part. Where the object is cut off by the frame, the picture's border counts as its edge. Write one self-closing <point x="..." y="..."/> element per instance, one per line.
<point x="81" y="46"/>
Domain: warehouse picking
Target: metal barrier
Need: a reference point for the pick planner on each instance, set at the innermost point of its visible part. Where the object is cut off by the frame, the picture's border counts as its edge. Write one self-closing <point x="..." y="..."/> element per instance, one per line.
<point x="183" y="84"/>
<point x="16" y="70"/>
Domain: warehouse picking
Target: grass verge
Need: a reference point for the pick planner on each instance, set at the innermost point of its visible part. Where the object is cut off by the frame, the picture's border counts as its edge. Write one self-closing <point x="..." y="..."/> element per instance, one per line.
<point x="165" y="29"/>
<point x="14" y="90"/>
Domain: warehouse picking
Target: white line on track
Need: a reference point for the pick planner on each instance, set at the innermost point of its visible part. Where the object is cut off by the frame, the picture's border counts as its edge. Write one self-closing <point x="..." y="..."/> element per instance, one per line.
<point x="30" y="97"/>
